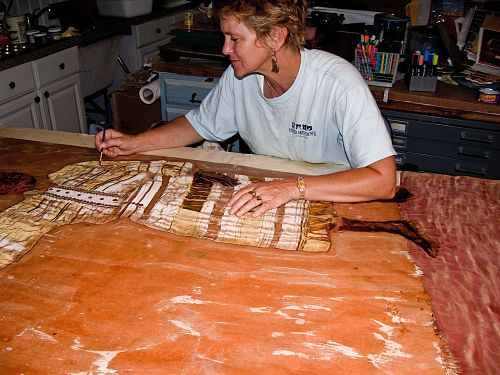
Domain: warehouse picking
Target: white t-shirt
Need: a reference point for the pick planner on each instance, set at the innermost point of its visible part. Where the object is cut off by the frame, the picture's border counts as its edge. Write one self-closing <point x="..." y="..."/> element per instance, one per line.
<point x="328" y="115"/>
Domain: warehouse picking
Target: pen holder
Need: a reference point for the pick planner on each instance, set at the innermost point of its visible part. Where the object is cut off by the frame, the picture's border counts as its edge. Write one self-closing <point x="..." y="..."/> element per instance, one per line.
<point x="377" y="68"/>
<point x="421" y="83"/>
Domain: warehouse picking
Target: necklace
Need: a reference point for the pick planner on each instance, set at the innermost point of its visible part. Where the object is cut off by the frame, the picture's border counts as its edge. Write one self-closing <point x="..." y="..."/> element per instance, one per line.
<point x="273" y="93"/>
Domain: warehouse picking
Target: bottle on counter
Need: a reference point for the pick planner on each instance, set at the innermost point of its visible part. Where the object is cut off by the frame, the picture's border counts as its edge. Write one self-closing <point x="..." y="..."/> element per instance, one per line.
<point x="4" y="36"/>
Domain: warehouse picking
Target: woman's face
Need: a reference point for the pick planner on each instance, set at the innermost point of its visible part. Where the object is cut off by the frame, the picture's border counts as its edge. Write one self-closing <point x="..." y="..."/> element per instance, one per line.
<point x="246" y="53"/>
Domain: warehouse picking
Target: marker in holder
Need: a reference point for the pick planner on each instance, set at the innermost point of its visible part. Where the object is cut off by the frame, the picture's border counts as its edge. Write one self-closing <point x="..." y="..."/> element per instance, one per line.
<point x="377" y="68"/>
<point x="422" y="72"/>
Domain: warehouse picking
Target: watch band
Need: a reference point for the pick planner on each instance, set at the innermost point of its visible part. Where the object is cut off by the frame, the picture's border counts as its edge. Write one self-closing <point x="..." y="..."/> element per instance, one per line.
<point x="301" y="185"/>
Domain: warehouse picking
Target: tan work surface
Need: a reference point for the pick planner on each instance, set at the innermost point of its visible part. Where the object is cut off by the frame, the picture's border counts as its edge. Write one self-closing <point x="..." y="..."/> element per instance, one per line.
<point x="123" y="298"/>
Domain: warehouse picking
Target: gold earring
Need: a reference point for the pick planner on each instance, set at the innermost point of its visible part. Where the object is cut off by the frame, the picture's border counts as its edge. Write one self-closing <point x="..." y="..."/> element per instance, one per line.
<point x="274" y="61"/>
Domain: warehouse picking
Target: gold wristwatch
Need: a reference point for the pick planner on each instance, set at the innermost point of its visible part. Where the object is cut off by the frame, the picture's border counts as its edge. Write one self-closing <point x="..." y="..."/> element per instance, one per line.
<point x="301" y="184"/>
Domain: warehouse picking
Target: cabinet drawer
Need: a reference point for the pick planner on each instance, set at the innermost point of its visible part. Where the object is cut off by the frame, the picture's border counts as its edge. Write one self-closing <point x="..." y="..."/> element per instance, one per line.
<point x="187" y="90"/>
<point x="16" y="81"/>
<point x="452" y="166"/>
<point x="150" y="32"/>
<point x="174" y="112"/>
<point x="459" y="151"/>
<point x="456" y="134"/>
<point x="53" y="67"/>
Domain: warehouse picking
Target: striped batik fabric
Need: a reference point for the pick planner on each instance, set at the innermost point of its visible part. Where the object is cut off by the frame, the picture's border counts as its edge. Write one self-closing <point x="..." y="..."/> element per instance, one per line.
<point x="176" y="197"/>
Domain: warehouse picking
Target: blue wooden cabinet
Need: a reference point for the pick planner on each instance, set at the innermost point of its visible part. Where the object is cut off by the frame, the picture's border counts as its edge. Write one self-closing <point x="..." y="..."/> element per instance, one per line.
<point x="182" y="93"/>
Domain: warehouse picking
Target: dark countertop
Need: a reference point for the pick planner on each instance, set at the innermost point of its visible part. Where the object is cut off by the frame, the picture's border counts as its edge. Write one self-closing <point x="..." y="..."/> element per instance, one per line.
<point x="54" y="47"/>
<point x="124" y="25"/>
<point x="105" y="27"/>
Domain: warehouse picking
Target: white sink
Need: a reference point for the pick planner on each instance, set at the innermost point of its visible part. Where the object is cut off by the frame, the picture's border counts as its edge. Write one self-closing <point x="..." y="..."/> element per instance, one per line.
<point x="124" y="8"/>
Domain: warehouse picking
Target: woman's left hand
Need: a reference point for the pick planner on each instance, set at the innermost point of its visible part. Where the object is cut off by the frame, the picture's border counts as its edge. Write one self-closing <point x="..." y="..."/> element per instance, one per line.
<point x="262" y="197"/>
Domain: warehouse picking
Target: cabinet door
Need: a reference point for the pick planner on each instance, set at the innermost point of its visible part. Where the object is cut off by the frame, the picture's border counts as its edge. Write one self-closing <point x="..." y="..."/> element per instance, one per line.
<point x="23" y="112"/>
<point x="63" y="107"/>
<point x="56" y="66"/>
<point x="16" y="81"/>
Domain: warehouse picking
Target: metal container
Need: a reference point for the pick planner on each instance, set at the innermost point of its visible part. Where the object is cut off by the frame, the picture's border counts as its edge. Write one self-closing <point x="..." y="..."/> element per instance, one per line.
<point x="16" y="27"/>
<point x="490" y="96"/>
<point x="54" y="33"/>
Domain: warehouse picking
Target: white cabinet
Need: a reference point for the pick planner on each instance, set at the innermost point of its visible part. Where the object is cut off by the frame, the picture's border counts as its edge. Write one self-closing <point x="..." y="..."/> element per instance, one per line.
<point x="139" y="47"/>
<point x="63" y="106"/>
<point x="22" y="112"/>
<point x="44" y="93"/>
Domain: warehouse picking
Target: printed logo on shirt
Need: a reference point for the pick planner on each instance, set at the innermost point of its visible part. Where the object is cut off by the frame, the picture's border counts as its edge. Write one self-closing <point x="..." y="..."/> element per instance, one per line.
<point x="302" y="130"/>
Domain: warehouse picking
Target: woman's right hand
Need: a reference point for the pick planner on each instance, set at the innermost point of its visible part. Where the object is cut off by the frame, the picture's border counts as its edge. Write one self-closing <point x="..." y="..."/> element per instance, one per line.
<point x="116" y="143"/>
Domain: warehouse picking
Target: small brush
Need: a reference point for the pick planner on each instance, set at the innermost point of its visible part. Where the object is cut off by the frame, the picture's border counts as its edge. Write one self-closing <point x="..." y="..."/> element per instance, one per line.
<point x="102" y="140"/>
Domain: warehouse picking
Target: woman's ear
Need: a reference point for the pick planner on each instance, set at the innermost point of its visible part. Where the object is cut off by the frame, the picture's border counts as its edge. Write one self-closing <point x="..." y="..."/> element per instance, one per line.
<point x="278" y="36"/>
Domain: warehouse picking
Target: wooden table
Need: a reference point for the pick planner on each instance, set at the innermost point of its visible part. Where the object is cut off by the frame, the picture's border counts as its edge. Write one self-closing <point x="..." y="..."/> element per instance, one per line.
<point x="125" y="298"/>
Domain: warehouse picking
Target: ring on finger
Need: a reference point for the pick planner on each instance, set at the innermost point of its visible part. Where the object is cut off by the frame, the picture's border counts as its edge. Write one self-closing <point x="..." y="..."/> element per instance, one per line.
<point x="253" y="194"/>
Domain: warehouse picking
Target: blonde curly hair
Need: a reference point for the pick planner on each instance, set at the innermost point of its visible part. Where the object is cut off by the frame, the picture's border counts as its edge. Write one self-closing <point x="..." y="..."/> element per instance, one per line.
<point x="261" y="16"/>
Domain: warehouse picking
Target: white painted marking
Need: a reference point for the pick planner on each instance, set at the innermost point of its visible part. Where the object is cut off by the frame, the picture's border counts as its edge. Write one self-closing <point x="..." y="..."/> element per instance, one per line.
<point x="289" y="353"/>
<point x="39" y="334"/>
<point x="261" y="310"/>
<point x="209" y="359"/>
<point x="187" y="300"/>
<point x="184" y="326"/>
<point x="391" y="350"/>
<point x="387" y="329"/>
<point x="388" y="299"/>
<point x="103" y="362"/>
<point x="340" y="299"/>
<point x="328" y="350"/>
<point x="307" y="333"/>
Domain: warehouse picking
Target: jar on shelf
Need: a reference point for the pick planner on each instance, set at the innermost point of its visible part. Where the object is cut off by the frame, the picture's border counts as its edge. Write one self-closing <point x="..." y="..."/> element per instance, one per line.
<point x="30" y="36"/>
<point x="54" y="33"/>
<point x="40" y="39"/>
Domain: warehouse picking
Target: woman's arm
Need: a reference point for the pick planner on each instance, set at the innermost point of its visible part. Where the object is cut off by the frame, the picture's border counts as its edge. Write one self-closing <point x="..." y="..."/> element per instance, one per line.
<point x="176" y="133"/>
<point x="376" y="181"/>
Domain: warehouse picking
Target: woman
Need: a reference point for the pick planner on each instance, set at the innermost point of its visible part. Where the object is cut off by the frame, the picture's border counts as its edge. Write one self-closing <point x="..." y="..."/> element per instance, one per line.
<point x="284" y="101"/>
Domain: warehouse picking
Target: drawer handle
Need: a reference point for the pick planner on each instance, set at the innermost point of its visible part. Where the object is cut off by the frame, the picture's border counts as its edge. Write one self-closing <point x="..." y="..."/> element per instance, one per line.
<point x="36" y="99"/>
<point x="193" y="96"/>
<point x="158" y="31"/>
<point x="476" y="138"/>
<point x="469" y="152"/>
<point x="477" y="171"/>
<point x="12" y="84"/>
<point x="62" y="66"/>
<point x="46" y="94"/>
<point x="210" y="79"/>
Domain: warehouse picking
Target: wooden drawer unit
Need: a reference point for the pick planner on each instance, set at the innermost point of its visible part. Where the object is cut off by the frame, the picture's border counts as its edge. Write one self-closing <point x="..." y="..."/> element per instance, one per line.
<point x="455" y="133"/>
<point x="181" y="93"/>
<point x="54" y="67"/>
<point x="150" y="32"/>
<point x="454" y="167"/>
<point x="446" y="145"/>
<point x="16" y="81"/>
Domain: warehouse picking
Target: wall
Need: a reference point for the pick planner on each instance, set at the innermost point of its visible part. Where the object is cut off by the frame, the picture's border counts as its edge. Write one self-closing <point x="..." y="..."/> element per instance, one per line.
<point x="385" y="6"/>
<point x="21" y="7"/>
